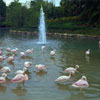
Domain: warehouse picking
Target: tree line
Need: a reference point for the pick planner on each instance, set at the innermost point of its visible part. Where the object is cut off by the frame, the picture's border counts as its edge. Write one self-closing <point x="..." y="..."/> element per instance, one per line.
<point x="20" y="15"/>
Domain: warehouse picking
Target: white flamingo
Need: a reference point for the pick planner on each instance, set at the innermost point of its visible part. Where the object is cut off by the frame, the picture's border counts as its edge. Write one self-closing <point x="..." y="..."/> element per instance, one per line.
<point x="27" y="64"/>
<point x="68" y="70"/>
<point x="3" y="78"/>
<point x="40" y="67"/>
<point x="22" y="54"/>
<point x="64" y="78"/>
<point x="8" y="49"/>
<point x="14" y="50"/>
<point x="5" y="70"/>
<point x="21" y="71"/>
<point x="29" y="51"/>
<point x="81" y="83"/>
<point x="42" y="48"/>
<point x="52" y="53"/>
<point x="87" y="52"/>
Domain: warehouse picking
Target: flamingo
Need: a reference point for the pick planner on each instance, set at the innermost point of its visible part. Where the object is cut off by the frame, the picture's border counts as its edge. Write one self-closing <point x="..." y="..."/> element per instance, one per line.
<point x="5" y="70"/>
<point x="11" y="58"/>
<point x="40" y="67"/>
<point x="3" y="78"/>
<point x="19" y="78"/>
<point x="8" y="50"/>
<point x="87" y="52"/>
<point x="68" y="70"/>
<point x="64" y="78"/>
<point x="27" y="64"/>
<point x="0" y="52"/>
<point x="14" y="50"/>
<point x="81" y="83"/>
<point x="2" y="58"/>
<point x="29" y="51"/>
<point x="22" y="54"/>
<point x="21" y="71"/>
<point x="52" y="53"/>
<point x="42" y="48"/>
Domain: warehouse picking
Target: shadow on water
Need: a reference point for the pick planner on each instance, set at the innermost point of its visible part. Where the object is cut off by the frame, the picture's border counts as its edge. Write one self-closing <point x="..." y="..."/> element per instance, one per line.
<point x="2" y="89"/>
<point x="42" y="73"/>
<point x="19" y="91"/>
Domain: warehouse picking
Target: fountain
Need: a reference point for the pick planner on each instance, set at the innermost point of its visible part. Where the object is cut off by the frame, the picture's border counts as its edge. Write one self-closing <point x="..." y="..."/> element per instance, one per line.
<point x="42" y="29"/>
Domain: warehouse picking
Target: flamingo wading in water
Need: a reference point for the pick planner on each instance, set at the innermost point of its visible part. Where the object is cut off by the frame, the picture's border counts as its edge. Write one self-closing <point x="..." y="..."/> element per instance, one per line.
<point x="3" y="78"/>
<point x="19" y="78"/>
<point x="81" y="83"/>
<point x="68" y="70"/>
<point x="64" y="78"/>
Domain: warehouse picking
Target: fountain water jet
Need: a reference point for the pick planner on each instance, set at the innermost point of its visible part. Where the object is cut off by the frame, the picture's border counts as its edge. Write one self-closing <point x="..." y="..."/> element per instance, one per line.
<point x="42" y="29"/>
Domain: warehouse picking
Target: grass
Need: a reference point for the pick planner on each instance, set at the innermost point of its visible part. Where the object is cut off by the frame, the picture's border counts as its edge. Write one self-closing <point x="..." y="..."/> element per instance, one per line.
<point x="73" y="28"/>
<point x="70" y="27"/>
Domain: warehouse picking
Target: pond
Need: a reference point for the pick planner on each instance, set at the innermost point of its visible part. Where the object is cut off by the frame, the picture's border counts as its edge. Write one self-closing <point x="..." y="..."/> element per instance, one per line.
<point x="41" y="86"/>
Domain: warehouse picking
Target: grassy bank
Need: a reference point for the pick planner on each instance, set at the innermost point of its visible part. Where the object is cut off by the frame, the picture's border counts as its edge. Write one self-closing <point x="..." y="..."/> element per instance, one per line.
<point x="73" y="27"/>
<point x="70" y="25"/>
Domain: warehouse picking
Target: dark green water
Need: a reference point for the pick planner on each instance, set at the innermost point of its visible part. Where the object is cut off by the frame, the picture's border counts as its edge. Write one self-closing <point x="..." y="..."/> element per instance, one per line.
<point x="41" y="86"/>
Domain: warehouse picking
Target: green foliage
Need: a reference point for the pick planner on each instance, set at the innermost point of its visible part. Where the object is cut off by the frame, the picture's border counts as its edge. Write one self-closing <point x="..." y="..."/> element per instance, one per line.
<point x="2" y="8"/>
<point x="2" y="12"/>
<point x="71" y="14"/>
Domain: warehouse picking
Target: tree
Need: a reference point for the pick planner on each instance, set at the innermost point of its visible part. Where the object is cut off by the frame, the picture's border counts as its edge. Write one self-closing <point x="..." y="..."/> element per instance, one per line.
<point x="2" y="12"/>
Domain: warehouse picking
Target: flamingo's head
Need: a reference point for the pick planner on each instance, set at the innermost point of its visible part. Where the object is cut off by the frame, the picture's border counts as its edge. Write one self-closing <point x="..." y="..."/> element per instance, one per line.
<point x="84" y="78"/>
<point x="76" y="66"/>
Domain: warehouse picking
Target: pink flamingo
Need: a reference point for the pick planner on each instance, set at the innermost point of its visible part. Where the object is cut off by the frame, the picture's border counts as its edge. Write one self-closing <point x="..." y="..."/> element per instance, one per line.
<point x="11" y="58"/>
<point x="3" y="78"/>
<point x="81" y="83"/>
<point x="19" y="78"/>
<point x="2" y="58"/>
<point x="14" y="50"/>
<point x="5" y="70"/>
<point x="27" y="64"/>
<point x="68" y="70"/>
<point x="40" y="67"/>
<point x="29" y="51"/>
<point x="0" y="52"/>
<point x="64" y="78"/>
<point x="21" y="71"/>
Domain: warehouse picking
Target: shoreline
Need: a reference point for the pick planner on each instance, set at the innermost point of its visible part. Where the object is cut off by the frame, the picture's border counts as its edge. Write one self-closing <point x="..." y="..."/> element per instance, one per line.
<point x="55" y="34"/>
